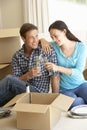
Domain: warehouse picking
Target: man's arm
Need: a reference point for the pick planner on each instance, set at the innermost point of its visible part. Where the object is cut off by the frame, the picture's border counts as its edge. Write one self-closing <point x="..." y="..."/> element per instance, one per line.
<point x="22" y="72"/>
<point x="55" y="83"/>
<point x="55" y="77"/>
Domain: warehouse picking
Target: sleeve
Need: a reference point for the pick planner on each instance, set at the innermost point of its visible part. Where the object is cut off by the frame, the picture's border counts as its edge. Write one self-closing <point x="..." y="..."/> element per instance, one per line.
<point x="16" y="70"/>
<point x="80" y="64"/>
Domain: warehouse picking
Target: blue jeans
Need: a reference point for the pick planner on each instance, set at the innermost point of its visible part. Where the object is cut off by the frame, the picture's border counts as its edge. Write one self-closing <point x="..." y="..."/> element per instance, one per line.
<point x="10" y="86"/>
<point x="79" y="93"/>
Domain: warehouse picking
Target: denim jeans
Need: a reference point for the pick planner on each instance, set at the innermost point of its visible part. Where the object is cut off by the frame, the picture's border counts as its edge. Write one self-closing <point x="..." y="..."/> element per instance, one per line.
<point x="79" y="93"/>
<point x="10" y="86"/>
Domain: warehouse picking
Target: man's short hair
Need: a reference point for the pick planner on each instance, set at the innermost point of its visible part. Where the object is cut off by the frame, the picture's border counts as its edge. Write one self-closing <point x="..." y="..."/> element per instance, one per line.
<point x="27" y="27"/>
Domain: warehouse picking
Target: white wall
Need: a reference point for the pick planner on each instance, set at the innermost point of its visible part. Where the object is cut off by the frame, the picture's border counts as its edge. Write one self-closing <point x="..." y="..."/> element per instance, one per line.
<point x="73" y="14"/>
<point x="11" y="13"/>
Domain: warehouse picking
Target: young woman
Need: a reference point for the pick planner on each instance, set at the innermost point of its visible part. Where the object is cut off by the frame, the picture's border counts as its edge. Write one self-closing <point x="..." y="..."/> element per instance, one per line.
<point x="71" y="54"/>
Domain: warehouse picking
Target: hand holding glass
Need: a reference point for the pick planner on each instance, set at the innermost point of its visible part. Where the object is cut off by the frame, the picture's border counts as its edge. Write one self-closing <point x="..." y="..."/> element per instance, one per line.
<point x="46" y="60"/>
<point x="38" y="65"/>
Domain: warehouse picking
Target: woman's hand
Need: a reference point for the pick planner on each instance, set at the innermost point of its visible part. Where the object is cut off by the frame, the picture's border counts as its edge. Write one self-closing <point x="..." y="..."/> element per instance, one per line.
<point x="51" y="66"/>
<point x="46" y="47"/>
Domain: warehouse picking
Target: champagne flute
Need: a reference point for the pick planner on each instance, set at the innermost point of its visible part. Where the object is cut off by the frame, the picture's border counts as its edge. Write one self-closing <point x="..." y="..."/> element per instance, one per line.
<point x="38" y="64"/>
<point x="46" y="60"/>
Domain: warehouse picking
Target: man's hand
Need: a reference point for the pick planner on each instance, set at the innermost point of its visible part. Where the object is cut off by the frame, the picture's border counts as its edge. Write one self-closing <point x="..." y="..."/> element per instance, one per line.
<point x="34" y="72"/>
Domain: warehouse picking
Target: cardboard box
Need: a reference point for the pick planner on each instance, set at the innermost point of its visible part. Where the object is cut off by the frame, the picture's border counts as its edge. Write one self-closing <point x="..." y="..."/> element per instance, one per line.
<point x="8" y="46"/>
<point x="10" y="42"/>
<point x="5" y="69"/>
<point x="10" y="32"/>
<point x="39" y="111"/>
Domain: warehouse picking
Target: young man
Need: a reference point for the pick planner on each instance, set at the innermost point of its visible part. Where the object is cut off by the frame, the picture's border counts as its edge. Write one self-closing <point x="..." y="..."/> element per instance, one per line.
<point x="25" y="70"/>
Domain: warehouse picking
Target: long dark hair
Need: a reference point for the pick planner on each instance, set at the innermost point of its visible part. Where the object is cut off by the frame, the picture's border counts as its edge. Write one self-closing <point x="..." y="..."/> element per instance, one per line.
<point x="60" y="25"/>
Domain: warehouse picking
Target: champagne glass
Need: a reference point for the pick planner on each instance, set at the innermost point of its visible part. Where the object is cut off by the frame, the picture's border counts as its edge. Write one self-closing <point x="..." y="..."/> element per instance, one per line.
<point x="46" y="60"/>
<point x="38" y="64"/>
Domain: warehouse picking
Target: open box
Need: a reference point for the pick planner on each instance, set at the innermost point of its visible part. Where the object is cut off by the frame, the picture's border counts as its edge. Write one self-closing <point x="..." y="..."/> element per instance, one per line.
<point x="39" y="111"/>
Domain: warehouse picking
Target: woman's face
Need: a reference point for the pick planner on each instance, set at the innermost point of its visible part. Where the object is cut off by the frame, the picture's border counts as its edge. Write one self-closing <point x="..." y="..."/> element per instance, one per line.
<point x="58" y="36"/>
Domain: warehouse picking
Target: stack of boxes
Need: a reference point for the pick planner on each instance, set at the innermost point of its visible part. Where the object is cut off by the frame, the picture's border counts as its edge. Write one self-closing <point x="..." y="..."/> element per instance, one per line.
<point x="9" y="44"/>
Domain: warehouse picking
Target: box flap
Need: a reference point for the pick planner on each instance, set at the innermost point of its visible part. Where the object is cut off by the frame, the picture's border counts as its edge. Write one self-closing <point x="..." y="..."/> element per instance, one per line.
<point x="11" y="32"/>
<point x="63" y="102"/>
<point x="15" y="100"/>
<point x="32" y="108"/>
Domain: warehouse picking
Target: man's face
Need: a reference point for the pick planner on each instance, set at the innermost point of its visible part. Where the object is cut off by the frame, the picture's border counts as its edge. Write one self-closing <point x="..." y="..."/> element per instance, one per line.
<point x="31" y="39"/>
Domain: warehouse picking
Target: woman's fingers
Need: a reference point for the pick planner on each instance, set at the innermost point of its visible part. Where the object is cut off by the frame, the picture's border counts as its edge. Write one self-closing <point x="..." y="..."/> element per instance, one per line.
<point x="51" y="66"/>
<point x="48" y="65"/>
<point x="46" y="47"/>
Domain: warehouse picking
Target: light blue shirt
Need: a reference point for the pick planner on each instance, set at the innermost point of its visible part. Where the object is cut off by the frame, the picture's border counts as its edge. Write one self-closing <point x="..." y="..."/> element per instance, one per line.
<point x="76" y="62"/>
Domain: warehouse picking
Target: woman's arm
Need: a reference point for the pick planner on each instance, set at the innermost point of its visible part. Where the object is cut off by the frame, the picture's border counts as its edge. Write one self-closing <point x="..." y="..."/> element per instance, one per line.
<point x="46" y="47"/>
<point x="53" y="67"/>
<point x="79" y="64"/>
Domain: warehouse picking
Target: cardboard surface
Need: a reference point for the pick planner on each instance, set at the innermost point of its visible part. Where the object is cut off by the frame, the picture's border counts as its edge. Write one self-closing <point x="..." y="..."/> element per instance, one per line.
<point x="9" y="43"/>
<point x="16" y="99"/>
<point x="5" y="69"/>
<point x="12" y="32"/>
<point x="33" y="121"/>
<point x="34" y="108"/>
<point x="2" y="66"/>
<point x="62" y="102"/>
<point x="39" y="111"/>
<point x="8" y="46"/>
